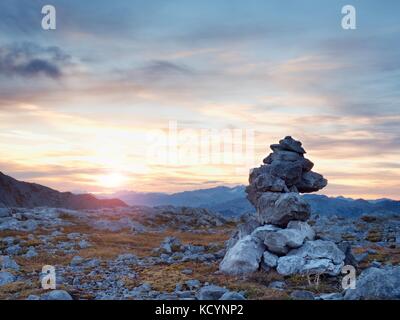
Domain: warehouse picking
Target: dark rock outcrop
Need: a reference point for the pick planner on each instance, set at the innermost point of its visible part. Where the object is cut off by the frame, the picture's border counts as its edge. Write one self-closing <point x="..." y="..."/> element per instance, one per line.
<point x="14" y="193"/>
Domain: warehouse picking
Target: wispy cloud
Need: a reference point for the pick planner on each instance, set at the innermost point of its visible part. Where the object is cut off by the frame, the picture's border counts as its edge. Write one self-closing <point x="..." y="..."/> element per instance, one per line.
<point x="31" y="60"/>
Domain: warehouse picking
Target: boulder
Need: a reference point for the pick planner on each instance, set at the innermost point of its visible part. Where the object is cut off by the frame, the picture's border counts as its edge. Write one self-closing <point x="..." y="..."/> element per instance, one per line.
<point x="303" y="227"/>
<point x="211" y="292"/>
<point x="280" y="208"/>
<point x="311" y="182"/>
<point x="231" y="295"/>
<point x="314" y="257"/>
<point x="376" y="283"/>
<point x="244" y="257"/>
<point x="320" y="249"/>
<point x="289" y="172"/>
<point x="281" y="241"/>
<point x="268" y="182"/>
<point x="289" y="265"/>
<point x="320" y="266"/>
<point x="302" y="295"/>
<point x="261" y="232"/>
<point x="295" y="238"/>
<point x="269" y="259"/>
<point x="278" y="285"/>
<point x="56" y="295"/>
<point x="276" y="243"/>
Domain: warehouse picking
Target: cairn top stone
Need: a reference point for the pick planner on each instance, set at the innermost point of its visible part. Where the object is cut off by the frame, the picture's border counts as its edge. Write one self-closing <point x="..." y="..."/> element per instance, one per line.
<point x="285" y="170"/>
<point x="288" y="144"/>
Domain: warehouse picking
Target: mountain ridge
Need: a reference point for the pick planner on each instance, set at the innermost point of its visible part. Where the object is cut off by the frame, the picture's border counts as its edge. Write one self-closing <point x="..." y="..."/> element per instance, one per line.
<point x="15" y="193"/>
<point x="231" y="201"/>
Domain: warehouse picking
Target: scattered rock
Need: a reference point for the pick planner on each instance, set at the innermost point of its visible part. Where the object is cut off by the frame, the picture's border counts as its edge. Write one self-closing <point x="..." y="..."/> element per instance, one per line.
<point x="14" y="250"/>
<point x="374" y="283"/>
<point x="56" y="295"/>
<point x="31" y="253"/>
<point x="76" y="260"/>
<point x="211" y="292"/>
<point x="170" y="244"/>
<point x="330" y="296"/>
<point x="230" y="295"/>
<point x="193" y="284"/>
<point x="302" y="295"/>
<point x="8" y="263"/>
<point x="6" y="278"/>
<point x="279" y="285"/>
<point x="187" y="271"/>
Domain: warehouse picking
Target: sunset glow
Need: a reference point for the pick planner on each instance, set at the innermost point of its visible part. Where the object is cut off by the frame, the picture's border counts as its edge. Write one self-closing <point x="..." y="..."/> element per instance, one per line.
<point x="85" y="124"/>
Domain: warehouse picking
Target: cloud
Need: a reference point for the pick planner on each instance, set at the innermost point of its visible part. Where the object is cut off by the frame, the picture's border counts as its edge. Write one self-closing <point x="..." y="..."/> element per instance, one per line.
<point x="31" y="60"/>
<point x="161" y="67"/>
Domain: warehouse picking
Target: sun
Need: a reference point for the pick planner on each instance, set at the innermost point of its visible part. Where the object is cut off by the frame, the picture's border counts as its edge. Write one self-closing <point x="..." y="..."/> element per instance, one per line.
<point x="112" y="180"/>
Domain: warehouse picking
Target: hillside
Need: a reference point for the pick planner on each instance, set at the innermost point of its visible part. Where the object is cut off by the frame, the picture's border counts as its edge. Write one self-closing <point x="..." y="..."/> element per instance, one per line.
<point x="14" y="193"/>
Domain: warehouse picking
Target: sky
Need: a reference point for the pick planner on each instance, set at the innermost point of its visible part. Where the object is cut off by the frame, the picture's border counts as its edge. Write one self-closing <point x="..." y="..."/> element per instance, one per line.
<point x="122" y="95"/>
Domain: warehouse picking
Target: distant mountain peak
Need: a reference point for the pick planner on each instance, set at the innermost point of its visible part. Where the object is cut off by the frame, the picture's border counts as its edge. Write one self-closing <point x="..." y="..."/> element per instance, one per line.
<point x="232" y="201"/>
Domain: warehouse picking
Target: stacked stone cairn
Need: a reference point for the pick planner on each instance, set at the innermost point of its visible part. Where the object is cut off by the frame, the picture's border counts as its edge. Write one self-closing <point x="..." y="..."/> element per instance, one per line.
<point x="279" y="236"/>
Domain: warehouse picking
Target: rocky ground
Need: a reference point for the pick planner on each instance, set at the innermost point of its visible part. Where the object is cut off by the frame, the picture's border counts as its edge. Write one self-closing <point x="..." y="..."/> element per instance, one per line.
<point x="174" y="253"/>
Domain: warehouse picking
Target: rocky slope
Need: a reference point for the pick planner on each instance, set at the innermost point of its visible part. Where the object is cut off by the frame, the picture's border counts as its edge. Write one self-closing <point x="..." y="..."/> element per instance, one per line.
<point x="14" y="193"/>
<point x="175" y="253"/>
